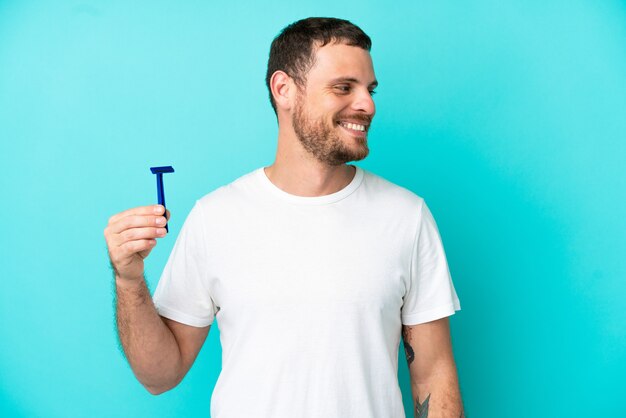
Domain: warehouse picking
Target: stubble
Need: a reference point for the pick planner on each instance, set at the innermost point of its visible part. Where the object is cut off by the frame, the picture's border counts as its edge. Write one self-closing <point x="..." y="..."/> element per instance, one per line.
<point x="323" y="142"/>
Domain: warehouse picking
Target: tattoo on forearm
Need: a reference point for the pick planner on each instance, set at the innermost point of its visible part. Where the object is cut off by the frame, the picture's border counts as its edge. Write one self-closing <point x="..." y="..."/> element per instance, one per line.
<point x="410" y="355"/>
<point x="421" y="409"/>
<point x="408" y="350"/>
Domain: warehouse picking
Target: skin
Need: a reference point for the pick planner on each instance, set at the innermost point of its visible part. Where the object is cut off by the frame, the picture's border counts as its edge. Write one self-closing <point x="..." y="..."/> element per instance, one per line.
<point x="314" y="166"/>
<point x="160" y="351"/>
<point x="312" y="152"/>
<point x="434" y="380"/>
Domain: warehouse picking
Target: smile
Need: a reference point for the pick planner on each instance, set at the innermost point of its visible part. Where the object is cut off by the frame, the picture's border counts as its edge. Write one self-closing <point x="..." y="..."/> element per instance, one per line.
<point x="353" y="126"/>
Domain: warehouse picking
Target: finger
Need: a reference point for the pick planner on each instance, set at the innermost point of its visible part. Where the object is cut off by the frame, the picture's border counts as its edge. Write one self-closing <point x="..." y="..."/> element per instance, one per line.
<point x="139" y="210"/>
<point x="136" y="221"/>
<point x="122" y="256"/>
<point x="137" y="246"/>
<point x="167" y="214"/>
<point x="145" y="253"/>
<point x="141" y="233"/>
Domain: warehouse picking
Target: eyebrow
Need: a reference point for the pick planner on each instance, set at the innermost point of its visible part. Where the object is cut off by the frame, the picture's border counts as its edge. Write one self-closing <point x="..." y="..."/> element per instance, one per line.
<point x="352" y="80"/>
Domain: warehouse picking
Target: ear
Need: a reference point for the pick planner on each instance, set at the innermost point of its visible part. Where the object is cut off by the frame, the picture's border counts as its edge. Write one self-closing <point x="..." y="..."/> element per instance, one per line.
<point x="283" y="89"/>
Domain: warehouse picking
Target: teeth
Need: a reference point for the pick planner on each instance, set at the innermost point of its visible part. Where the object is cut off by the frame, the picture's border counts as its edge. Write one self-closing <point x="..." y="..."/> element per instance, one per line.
<point x="354" y="126"/>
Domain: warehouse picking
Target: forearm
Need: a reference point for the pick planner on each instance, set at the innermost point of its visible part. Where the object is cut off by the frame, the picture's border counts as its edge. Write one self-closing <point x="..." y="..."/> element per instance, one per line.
<point x="438" y="396"/>
<point x="149" y="345"/>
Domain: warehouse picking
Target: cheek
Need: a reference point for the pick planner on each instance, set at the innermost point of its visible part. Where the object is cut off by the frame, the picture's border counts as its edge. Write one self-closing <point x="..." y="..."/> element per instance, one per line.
<point x="338" y="109"/>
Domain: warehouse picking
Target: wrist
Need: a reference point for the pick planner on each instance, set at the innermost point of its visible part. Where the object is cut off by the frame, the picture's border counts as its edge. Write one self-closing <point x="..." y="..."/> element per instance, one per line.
<point x="129" y="281"/>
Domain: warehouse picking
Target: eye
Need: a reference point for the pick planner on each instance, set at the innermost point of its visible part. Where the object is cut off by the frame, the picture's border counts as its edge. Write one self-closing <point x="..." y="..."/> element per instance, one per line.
<point x="343" y="88"/>
<point x="372" y="92"/>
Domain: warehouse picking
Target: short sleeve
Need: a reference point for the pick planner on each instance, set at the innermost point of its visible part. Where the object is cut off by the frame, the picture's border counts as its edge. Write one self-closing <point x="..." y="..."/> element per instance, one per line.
<point x="430" y="294"/>
<point x="182" y="293"/>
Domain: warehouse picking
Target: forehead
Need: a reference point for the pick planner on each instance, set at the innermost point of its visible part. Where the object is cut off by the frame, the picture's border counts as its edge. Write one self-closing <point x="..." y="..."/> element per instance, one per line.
<point x="334" y="61"/>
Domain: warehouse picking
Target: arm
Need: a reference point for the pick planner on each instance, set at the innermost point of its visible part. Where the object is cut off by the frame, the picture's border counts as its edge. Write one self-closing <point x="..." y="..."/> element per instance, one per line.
<point x="434" y="381"/>
<point x="160" y="351"/>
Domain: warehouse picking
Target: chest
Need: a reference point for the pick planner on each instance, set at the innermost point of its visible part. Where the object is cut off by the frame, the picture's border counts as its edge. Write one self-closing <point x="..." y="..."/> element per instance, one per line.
<point x="332" y="261"/>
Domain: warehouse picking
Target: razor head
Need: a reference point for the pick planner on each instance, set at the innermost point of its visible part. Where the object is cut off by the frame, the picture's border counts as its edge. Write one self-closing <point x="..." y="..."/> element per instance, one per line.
<point x="164" y="169"/>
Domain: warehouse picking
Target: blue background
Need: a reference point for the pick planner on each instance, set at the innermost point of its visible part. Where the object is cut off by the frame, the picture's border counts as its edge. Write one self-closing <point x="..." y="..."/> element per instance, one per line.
<point x="509" y="118"/>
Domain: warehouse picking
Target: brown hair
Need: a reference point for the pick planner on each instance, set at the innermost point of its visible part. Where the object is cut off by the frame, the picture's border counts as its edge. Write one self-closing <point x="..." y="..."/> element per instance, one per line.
<point x="292" y="51"/>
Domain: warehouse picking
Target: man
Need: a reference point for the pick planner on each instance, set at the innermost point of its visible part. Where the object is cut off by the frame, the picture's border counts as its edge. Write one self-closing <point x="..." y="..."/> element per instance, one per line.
<point x="314" y="268"/>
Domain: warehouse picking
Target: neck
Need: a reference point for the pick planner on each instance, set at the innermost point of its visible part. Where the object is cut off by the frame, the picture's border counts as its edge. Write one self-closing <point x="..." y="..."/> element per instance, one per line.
<point x="298" y="173"/>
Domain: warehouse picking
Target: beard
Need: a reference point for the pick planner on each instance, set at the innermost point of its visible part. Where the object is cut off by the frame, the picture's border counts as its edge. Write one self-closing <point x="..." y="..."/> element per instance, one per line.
<point x="323" y="142"/>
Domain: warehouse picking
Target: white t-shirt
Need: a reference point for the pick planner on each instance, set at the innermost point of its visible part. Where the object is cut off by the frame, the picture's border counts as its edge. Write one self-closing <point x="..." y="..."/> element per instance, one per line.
<point x="310" y="293"/>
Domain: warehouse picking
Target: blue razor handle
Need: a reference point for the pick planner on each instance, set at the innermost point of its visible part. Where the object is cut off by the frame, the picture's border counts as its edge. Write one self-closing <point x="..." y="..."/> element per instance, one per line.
<point x="160" y="193"/>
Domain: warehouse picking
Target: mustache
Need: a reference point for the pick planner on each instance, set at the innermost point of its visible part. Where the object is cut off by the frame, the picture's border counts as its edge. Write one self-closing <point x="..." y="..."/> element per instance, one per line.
<point x="358" y="117"/>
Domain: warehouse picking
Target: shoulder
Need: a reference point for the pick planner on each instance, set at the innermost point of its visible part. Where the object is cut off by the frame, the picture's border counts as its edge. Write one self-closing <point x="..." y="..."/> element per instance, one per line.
<point x="384" y="191"/>
<point x="233" y="193"/>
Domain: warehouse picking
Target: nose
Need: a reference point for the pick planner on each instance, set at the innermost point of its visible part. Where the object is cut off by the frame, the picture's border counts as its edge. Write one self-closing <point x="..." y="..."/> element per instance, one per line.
<point x="363" y="102"/>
